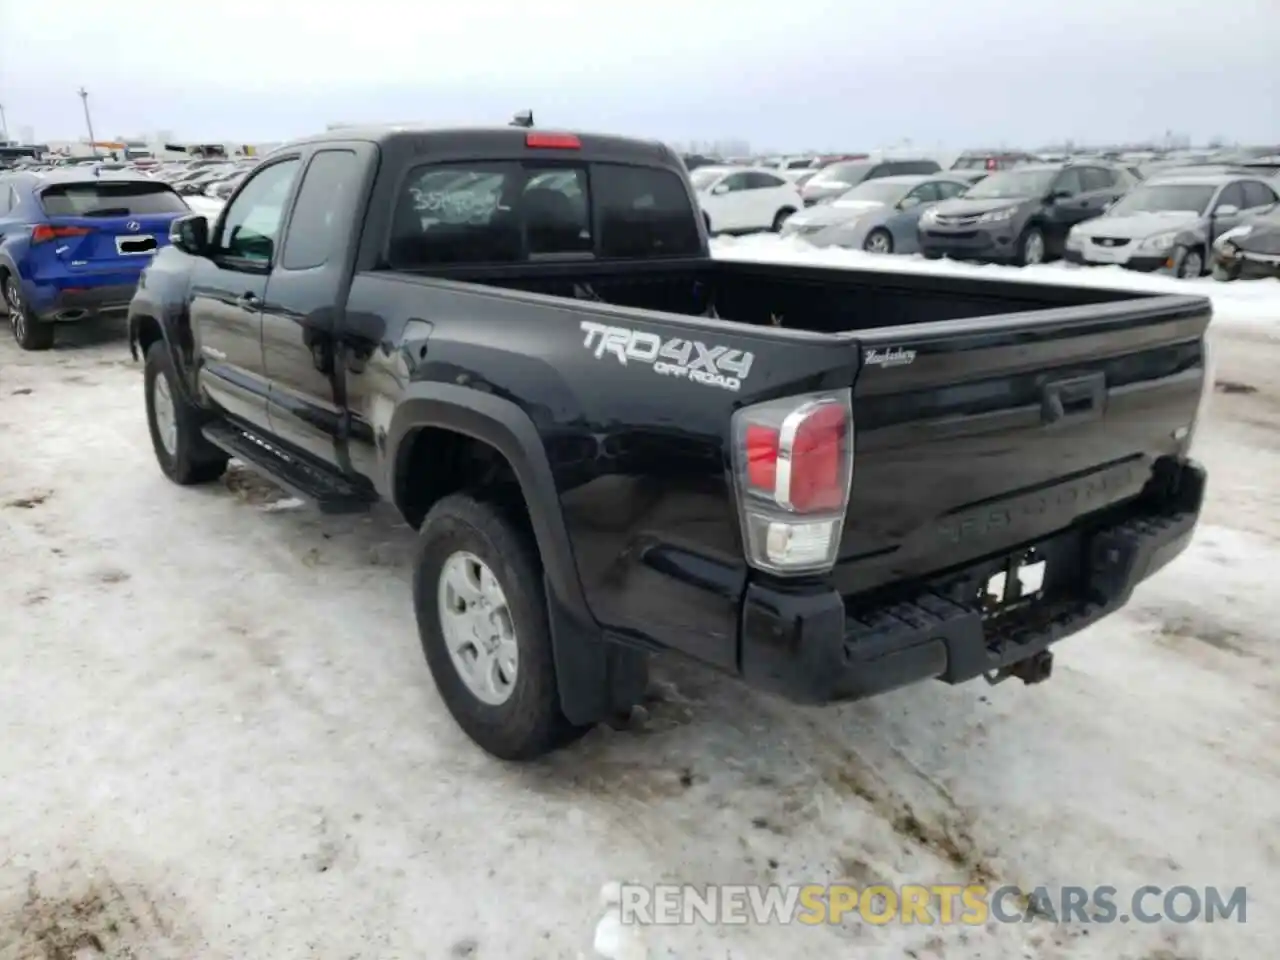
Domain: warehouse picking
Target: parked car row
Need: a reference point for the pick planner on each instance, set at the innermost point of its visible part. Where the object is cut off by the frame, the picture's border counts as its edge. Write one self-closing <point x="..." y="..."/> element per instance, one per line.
<point x="1187" y="221"/>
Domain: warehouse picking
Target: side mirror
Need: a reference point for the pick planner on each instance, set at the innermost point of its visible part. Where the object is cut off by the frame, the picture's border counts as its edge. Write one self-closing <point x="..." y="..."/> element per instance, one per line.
<point x="1226" y="210"/>
<point x="907" y="203"/>
<point x="720" y="188"/>
<point x="1055" y="195"/>
<point x="190" y="234"/>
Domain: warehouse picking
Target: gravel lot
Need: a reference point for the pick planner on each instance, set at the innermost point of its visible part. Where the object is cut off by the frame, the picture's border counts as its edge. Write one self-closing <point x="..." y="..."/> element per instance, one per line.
<point x="218" y="736"/>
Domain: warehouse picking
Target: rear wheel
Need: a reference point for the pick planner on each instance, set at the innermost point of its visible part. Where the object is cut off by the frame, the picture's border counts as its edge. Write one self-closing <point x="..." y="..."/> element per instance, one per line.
<point x="482" y="617"/>
<point x="184" y="455"/>
<point x="878" y="240"/>
<point x="29" y="332"/>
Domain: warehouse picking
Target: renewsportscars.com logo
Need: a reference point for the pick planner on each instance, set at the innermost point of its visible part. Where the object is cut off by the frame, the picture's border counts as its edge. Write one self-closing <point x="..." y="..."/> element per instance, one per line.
<point x="693" y="360"/>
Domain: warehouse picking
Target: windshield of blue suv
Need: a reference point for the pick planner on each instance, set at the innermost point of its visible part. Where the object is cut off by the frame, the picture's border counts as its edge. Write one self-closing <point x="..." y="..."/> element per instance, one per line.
<point x="1012" y="185"/>
<point x="1162" y="197"/>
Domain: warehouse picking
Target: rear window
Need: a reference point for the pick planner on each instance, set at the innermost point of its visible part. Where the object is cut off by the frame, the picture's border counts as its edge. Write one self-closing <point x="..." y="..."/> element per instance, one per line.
<point x="507" y="212"/>
<point x="103" y="198"/>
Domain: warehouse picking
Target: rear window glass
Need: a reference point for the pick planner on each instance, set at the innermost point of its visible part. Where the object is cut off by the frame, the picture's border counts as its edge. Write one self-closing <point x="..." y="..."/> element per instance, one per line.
<point x="506" y="212"/>
<point x="106" y="199"/>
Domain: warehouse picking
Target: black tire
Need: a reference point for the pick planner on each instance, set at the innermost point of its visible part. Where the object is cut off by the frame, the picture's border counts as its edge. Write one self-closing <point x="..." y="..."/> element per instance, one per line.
<point x="28" y="332"/>
<point x="931" y="255"/>
<point x="1226" y="274"/>
<point x="194" y="459"/>
<point x="529" y="724"/>
<point x="780" y="218"/>
<point x="882" y="235"/>
<point x="1188" y="263"/>
<point x="1030" y="236"/>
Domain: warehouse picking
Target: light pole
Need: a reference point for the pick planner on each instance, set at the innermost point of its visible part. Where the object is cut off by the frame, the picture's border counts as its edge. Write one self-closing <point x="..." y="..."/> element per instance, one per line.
<point x="84" y="99"/>
<point x="4" y="126"/>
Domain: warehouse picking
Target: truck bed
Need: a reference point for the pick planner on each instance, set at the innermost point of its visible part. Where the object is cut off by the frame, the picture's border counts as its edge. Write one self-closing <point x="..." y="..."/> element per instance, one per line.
<point x="814" y="299"/>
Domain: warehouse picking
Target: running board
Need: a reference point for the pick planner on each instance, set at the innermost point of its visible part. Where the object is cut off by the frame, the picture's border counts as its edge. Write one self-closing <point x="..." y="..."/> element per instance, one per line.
<point x="330" y="492"/>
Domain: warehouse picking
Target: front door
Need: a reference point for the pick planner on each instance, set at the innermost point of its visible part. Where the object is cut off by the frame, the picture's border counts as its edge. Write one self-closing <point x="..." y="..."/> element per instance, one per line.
<point x="227" y="292"/>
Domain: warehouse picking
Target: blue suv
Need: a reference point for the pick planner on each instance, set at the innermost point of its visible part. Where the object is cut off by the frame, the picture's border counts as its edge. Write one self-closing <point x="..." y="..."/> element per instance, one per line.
<point x="73" y="244"/>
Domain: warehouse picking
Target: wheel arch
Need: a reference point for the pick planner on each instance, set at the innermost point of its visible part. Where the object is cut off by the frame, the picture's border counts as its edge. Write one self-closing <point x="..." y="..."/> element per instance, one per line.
<point x="593" y="676"/>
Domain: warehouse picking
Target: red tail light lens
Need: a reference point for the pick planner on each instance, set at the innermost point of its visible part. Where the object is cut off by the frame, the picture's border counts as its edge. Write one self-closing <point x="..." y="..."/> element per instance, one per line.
<point x="553" y="141"/>
<point x="794" y="465"/>
<point x="44" y="233"/>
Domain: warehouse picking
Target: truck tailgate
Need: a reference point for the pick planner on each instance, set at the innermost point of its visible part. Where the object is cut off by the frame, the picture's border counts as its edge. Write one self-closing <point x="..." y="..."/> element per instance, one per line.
<point x="974" y="437"/>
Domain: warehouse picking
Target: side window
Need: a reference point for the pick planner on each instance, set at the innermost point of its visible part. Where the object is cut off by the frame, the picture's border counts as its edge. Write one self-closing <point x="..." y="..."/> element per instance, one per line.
<point x="457" y="213"/>
<point x="1231" y="196"/>
<point x="324" y="203"/>
<point x="925" y="193"/>
<point x="1070" y="181"/>
<point x="949" y="188"/>
<point x="764" y="181"/>
<point x="1258" y="194"/>
<point x="916" y="167"/>
<point x="1096" y="178"/>
<point x="735" y="182"/>
<point x="251" y="224"/>
<point x="556" y="216"/>
<point x="880" y="170"/>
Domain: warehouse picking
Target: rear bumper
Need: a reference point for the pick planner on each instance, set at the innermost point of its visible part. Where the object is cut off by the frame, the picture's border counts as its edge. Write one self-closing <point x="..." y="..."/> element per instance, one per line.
<point x="73" y="303"/>
<point x="814" y="646"/>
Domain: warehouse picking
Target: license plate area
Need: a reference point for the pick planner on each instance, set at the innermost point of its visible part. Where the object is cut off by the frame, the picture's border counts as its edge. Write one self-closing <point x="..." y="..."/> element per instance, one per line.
<point x="134" y="246"/>
<point x="1018" y="584"/>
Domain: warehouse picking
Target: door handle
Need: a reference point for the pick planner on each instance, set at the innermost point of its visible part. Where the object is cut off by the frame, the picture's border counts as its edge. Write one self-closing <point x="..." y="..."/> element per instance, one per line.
<point x="1080" y="397"/>
<point x="248" y="300"/>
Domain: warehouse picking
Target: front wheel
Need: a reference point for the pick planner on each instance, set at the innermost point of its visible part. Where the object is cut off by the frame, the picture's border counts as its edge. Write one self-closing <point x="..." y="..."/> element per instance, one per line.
<point x="878" y="240"/>
<point x="482" y="617"/>
<point x="1188" y="263"/>
<point x="184" y="455"/>
<point x="29" y="332"/>
<point x="1031" y="248"/>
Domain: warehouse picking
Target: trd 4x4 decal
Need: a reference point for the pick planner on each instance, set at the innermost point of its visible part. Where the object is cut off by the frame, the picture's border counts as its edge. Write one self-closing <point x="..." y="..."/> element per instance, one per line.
<point x="714" y="366"/>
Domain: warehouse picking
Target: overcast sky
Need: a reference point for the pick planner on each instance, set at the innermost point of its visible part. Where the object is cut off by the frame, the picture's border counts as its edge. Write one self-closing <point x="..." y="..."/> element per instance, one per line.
<point x="784" y="74"/>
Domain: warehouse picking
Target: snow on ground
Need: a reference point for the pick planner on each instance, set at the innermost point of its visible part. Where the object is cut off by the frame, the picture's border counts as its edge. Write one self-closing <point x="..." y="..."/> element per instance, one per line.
<point x="1253" y="302"/>
<point x="218" y="737"/>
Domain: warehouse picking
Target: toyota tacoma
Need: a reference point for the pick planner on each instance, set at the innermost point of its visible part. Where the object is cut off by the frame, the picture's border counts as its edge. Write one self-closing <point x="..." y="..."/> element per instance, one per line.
<point x="827" y="483"/>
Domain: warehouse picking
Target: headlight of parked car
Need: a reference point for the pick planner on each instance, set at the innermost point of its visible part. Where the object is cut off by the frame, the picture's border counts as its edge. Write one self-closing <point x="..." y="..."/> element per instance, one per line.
<point x="998" y="216"/>
<point x="1073" y="239"/>
<point x="929" y="216"/>
<point x="1160" y="242"/>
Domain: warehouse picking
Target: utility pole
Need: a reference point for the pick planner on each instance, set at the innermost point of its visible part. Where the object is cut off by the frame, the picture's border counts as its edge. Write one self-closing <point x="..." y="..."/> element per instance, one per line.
<point x="84" y="99"/>
<point x="4" y="126"/>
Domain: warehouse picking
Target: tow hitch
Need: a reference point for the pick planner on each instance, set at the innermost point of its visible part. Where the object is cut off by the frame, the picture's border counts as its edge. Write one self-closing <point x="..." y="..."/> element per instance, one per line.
<point x="1037" y="668"/>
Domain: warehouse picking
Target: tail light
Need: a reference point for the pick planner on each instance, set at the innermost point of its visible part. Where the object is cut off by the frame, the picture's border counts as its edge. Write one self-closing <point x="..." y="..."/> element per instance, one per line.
<point x="793" y="463"/>
<point x="43" y="233"/>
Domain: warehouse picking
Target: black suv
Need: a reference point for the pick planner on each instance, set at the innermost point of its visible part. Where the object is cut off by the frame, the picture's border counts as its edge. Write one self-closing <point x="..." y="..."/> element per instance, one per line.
<point x="1022" y="215"/>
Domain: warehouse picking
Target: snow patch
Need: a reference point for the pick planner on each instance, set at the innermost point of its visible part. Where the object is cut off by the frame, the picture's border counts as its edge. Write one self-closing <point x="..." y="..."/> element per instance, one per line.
<point x="1253" y="302"/>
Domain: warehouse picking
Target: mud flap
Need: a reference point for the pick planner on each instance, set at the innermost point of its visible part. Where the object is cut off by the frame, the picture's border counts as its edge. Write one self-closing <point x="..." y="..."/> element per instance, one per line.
<point x="596" y="678"/>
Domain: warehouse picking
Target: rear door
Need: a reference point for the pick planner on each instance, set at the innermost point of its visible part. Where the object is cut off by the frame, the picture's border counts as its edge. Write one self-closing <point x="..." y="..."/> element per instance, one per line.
<point x="227" y="290"/>
<point x="976" y="436"/>
<point x="303" y="303"/>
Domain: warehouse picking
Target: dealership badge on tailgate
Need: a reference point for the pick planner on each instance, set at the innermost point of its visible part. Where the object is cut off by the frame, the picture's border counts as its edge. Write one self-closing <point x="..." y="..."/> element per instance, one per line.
<point x="693" y="360"/>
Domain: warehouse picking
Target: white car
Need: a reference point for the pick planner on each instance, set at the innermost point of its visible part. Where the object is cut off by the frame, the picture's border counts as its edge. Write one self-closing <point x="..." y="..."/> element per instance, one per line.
<point x="744" y="199"/>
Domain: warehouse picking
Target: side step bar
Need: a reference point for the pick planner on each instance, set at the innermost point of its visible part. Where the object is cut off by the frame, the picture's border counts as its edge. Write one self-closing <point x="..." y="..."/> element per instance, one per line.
<point x="331" y="492"/>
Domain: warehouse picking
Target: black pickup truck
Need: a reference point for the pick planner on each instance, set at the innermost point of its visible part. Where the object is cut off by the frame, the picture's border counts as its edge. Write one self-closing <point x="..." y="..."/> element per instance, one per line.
<point x="826" y="482"/>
